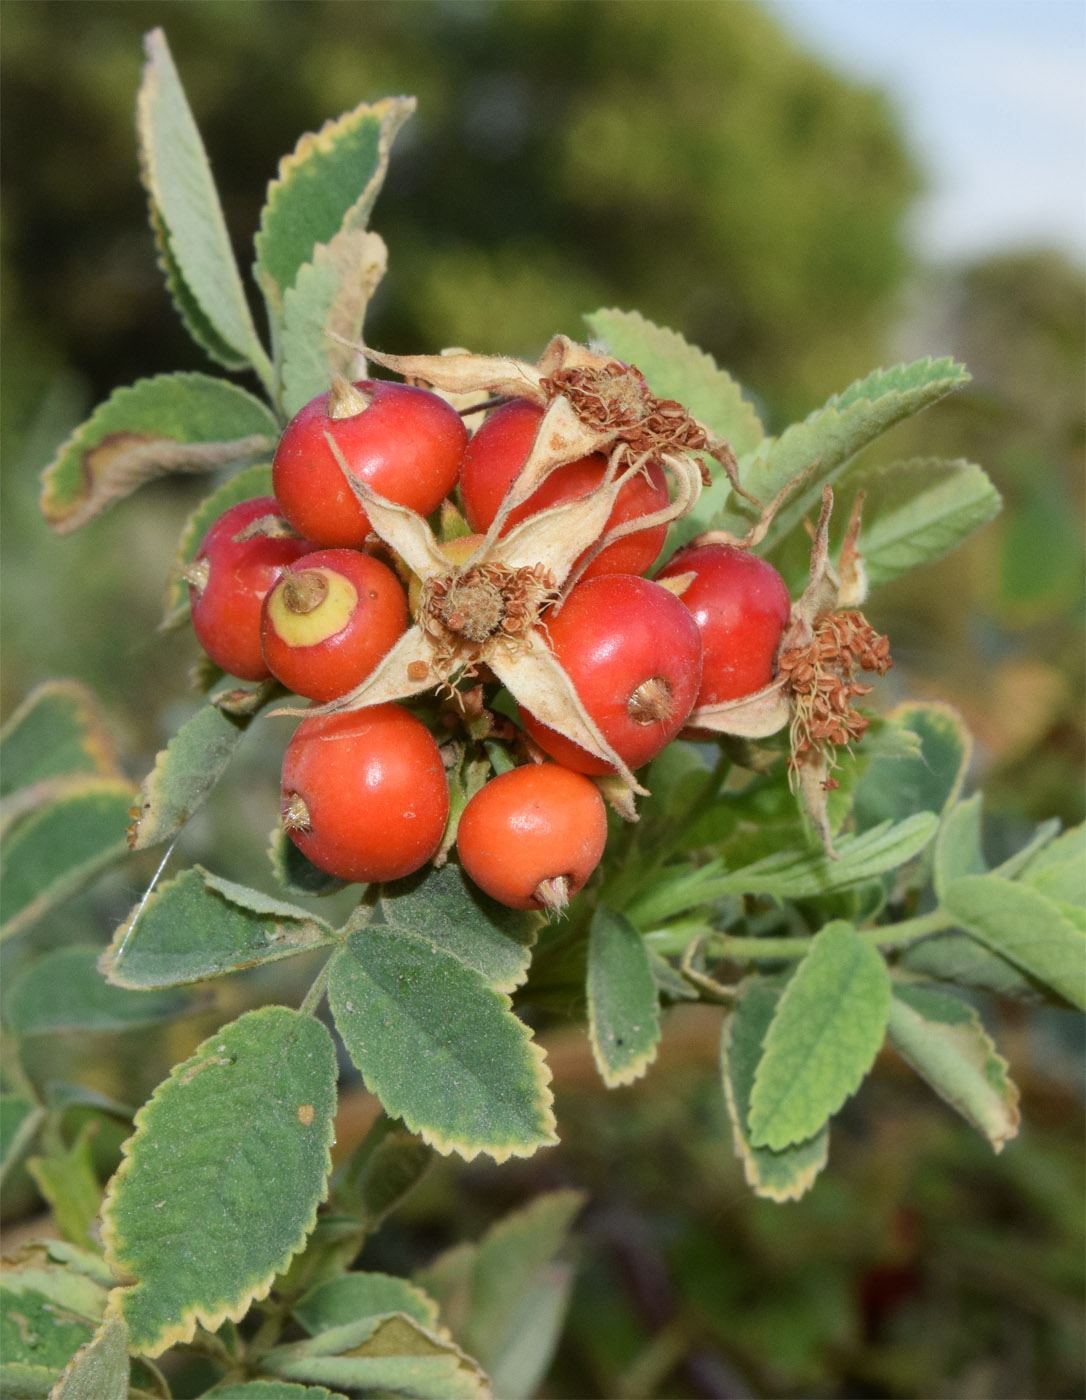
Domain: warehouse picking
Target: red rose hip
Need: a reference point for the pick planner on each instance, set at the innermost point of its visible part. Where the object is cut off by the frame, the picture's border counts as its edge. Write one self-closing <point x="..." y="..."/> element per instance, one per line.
<point x="238" y="561"/>
<point x="404" y="442"/>
<point x="741" y="606"/>
<point x="500" y="448"/>
<point x="530" y="838"/>
<point x="633" y="653"/>
<point x="329" y="620"/>
<point x="364" y="793"/>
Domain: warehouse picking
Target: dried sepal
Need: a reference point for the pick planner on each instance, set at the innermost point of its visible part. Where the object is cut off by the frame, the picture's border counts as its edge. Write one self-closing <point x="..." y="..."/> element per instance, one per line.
<point x="755" y="716"/>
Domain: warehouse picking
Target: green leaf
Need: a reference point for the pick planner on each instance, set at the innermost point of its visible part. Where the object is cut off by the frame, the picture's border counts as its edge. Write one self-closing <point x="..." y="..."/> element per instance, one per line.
<point x="99" y="1369"/>
<point x="244" y="485"/>
<point x="623" y="1006"/>
<point x="675" y="369"/>
<point x="187" y="214"/>
<point x="191" y="928"/>
<point x="330" y="295"/>
<point x="64" y="991"/>
<point x="355" y="1296"/>
<point x="220" y="1183"/>
<point x="276" y="1390"/>
<point x="505" y="1297"/>
<point x="58" y="848"/>
<point x="831" y="436"/>
<point x="957" y="846"/>
<point x="1059" y="870"/>
<point x="392" y="1355"/>
<point x="440" y="1047"/>
<point x="187" y="769"/>
<point x="930" y="780"/>
<point x="57" y="732"/>
<point x="182" y="422"/>
<point x="778" y="1176"/>
<point x="1023" y="925"/>
<point x="38" y="1338"/>
<point x="20" y="1120"/>
<point x="329" y="182"/>
<point x="385" y="1167"/>
<point x="944" y="1041"/>
<point x="295" y="872"/>
<point x="803" y="874"/>
<point x="67" y="1182"/>
<point x="963" y="962"/>
<point x="446" y="912"/>
<point x="823" y="1038"/>
<point x="185" y="304"/>
<point x="919" y="510"/>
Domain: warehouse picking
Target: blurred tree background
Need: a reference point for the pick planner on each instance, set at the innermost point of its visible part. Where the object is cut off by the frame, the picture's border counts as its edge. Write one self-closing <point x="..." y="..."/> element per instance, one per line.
<point x="693" y="162"/>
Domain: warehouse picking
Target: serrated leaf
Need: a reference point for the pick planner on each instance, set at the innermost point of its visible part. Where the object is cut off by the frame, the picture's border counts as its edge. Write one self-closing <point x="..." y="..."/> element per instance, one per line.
<point x="623" y="1006"/>
<point x="385" y="1167"/>
<point x="447" y="912"/>
<point x="220" y="1183"/>
<point x="354" y="1296"/>
<point x="295" y="872"/>
<point x="957" y="845"/>
<point x="778" y="1176"/>
<point x="57" y="849"/>
<point x="390" y="1355"/>
<point x="329" y="182"/>
<point x="505" y="1297"/>
<point x="675" y="369"/>
<point x="187" y="215"/>
<point x="185" y="772"/>
<point x="99" y="1369"/>
<point x="67" y="1182"/>
<point x="1058" y="871"/>
<point x="64" y="991"/>
<point x="20" y="1120"/>
<point x="1023" y="925"/>
<point x="58" y="730"/>
<point x="831" y="436"/>
<point x="824" y="1036"/>
<point x="330" y="294"/>
<point x="440" y="1047"/>
<point x="894" y="787"/>
<point x="944" y="1041"/>
<point x="244" y="485"/>
<point x="198" y="325"/>
<point x="803" y="874"/>
<point x="184" y="422"/>
<point x="190" y="929"/>
<point x="917" y="511"/>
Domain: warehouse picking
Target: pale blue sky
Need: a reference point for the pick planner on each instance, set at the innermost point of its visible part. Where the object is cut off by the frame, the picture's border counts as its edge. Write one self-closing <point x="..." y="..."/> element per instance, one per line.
<point x="993" y="96"/>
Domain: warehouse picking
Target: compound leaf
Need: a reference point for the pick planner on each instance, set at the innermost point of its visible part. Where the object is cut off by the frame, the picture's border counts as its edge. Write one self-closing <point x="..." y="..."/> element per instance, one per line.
<point x="187" y="217"/>
<point x="329" y="182"/>
<point x="197" y="926"/>
<point x="943" y="1039"/>
<point x="64" y="991"/>
<point x="1025" y="926"/>
<point x="446" y="912"/>
<point x="919" y="510"/>
<point x="623" y="1003"/>
<point x="824" y="1036"/>
<point x="220" y="1184"/>
<point x="187" y="769"/>
<point x="831" y="436"/>
<point x="440" y="1047"/>
<point x="787" y="1174"/>
<point x="183" y="422"/>
<point x="57" y="849"/>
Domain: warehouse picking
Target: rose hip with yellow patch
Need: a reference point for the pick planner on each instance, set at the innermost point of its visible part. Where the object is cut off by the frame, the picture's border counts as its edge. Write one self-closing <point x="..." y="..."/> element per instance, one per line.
<point x="326" y="624"/>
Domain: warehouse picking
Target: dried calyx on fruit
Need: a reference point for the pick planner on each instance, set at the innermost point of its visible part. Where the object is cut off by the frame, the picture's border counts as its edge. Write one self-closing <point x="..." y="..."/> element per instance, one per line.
<point x="824" y="642"/>
<point x="488" y="609"/>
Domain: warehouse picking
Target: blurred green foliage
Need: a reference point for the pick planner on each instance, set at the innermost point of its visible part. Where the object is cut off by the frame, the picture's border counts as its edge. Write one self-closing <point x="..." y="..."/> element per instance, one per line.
<point x="692" y="162"/>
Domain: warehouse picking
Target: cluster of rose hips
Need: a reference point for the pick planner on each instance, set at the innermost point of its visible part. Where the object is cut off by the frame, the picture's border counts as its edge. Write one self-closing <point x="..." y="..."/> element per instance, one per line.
<point x="296" y="586"/>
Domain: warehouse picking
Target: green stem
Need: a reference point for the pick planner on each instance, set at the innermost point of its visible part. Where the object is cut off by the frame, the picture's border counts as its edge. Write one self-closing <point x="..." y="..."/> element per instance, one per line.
<point x="316" y="991"/>
<point x="886" y="936"/>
